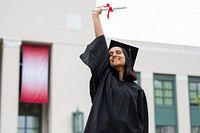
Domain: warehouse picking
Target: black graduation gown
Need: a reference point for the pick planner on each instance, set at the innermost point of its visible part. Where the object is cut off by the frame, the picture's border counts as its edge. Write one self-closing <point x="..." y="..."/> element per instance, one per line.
<point x="118" y="106"/>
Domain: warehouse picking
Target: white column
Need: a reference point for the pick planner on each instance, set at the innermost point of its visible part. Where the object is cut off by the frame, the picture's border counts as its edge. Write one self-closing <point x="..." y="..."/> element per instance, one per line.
<point x="183" y="108"/>
<point x="147" y="85"/>
<point x="10" y="86"/>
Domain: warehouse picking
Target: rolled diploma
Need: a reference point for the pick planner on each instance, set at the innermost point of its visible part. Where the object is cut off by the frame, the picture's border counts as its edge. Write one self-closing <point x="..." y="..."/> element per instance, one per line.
<point x="114" y="8"/>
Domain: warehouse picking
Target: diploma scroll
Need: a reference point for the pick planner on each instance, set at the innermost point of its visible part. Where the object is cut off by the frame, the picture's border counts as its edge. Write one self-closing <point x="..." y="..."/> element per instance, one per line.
<point x="114" y="8"/>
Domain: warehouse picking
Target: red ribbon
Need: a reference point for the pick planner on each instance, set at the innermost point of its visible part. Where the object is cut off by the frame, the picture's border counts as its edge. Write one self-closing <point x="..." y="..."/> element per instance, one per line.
<point x="109" y="9"/>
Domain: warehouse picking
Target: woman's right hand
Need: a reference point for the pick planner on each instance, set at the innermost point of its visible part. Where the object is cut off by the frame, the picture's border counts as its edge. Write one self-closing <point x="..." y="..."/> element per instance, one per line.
<point x="96" y="11"/>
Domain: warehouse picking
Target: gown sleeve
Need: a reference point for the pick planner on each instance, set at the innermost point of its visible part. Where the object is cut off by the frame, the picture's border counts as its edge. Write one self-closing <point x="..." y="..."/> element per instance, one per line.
<point x="96" y="58"/>
<point x="143" y="112"/>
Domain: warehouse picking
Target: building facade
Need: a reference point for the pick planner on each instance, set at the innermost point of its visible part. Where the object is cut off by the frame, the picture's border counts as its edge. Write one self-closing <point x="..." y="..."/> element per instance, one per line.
<point x="168" y="73"/>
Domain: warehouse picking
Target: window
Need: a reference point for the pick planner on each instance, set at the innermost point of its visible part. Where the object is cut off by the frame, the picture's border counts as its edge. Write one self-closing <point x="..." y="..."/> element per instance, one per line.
<point x="165" y="103"/>
<point x="194" y="90"/>
<point x="195" y="129"/>
<point x="29" y="119"/>
<point x="138" y="81"/>
<point x="164" y="93"/>
<point x="28" y="124"/>
<point x="165" y="129"/>
<point x="194" y="93"/>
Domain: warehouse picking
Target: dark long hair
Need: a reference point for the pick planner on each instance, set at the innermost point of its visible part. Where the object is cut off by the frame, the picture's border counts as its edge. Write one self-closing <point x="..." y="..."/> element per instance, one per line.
<point x="129" y="73"/>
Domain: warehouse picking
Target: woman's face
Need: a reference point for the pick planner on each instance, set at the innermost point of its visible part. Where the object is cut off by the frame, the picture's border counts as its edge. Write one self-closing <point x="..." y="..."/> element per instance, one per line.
<point x="116" y="57"/>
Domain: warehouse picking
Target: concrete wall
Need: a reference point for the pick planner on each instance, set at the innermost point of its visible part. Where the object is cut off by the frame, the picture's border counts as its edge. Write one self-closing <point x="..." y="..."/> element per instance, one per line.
<point x="67" y="25"/>
<point x="47" y="20"/>
<point x="69" y="87"/>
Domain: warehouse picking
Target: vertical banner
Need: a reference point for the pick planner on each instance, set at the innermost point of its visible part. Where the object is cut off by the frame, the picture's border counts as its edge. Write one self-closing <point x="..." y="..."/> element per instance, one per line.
<point x="34" y="83"/>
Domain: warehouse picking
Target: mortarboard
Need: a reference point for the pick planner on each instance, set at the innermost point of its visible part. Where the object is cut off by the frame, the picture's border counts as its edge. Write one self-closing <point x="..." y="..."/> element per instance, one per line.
<point x="131" y="51"/>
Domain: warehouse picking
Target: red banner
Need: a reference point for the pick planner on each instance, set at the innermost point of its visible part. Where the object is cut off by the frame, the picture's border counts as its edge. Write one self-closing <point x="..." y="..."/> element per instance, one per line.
<point x="35" y="68"/>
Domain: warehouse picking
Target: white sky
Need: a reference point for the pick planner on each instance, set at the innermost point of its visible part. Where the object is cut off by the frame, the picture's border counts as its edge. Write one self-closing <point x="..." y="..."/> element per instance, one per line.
<point x="165" y="21"/>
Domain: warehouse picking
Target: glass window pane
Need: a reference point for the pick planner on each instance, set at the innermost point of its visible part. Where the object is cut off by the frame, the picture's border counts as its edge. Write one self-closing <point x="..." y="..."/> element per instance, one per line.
<point x="198" y="88"/>
<point x="158" y="93"/>
<point x="193" y="94"/>
<point x="196" y="129"/>
<point x="193" y="86"/>
<point x="159" y="101"/>
<point x="158" y="84"/>
<point x="162" y="130"/>
<point x="31" y="131"/>
<point x="168" y="101"/>
<point x="169" y="129"/>
<point x="168" y="93"/>
<point x="21" y="130"/>
<point x="165" y="129"/>
<point x="194" y="90"/>
<point x="21" y="121"/>
<point x="192" y="100"/>
<point x="197" y="100"/>
<point x="158" y="129"/>
<point x="29" y="109"/>
<point x="138" y="81"/>
<point x="32" y="122"/>
<point x="168" y="85"/>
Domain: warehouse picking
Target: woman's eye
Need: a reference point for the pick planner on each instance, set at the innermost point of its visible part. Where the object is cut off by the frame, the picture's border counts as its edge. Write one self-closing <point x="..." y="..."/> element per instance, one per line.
<point x="118" y="52"/>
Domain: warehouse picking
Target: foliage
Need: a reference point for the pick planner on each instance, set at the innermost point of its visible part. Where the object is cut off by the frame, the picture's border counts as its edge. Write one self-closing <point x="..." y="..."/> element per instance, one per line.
<point x="197" y="101"/>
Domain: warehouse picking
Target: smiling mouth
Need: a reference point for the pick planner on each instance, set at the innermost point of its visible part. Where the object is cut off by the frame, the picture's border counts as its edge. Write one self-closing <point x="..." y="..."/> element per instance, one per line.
<point x="114" y="60"/>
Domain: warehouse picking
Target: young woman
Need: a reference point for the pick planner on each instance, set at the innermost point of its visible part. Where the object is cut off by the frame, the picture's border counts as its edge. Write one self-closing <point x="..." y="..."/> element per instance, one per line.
<point x="119" y="104"/>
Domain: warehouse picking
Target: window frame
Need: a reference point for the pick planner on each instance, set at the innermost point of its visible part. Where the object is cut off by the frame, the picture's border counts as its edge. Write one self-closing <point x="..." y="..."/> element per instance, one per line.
<point x="193" y="79"/>
<point x="166" y="115"/>
<point x="167" y="78"/>
<point x="194" y="109"/>
<point x="28" y="112"/>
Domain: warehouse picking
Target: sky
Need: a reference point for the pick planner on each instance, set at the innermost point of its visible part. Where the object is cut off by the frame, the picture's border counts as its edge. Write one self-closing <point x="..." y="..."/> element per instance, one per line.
<point x="163" y="21"/>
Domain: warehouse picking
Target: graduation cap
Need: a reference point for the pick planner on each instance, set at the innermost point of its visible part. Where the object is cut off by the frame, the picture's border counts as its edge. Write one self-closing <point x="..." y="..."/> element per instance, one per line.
<point x="131" y="51"/>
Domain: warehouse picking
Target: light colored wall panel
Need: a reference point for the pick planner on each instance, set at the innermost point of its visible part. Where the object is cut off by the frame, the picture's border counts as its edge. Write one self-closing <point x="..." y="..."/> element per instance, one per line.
<point x="46" y="20"/>
<point x="147" y="85"/>
<point x="69" y="87"/>
<point x="183" y="106"/>
<point x="10" y="86"/>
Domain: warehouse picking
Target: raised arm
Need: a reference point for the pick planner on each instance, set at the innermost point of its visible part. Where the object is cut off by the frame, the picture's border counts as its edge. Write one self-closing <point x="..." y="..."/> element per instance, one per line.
<point x="96" y="21"/>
